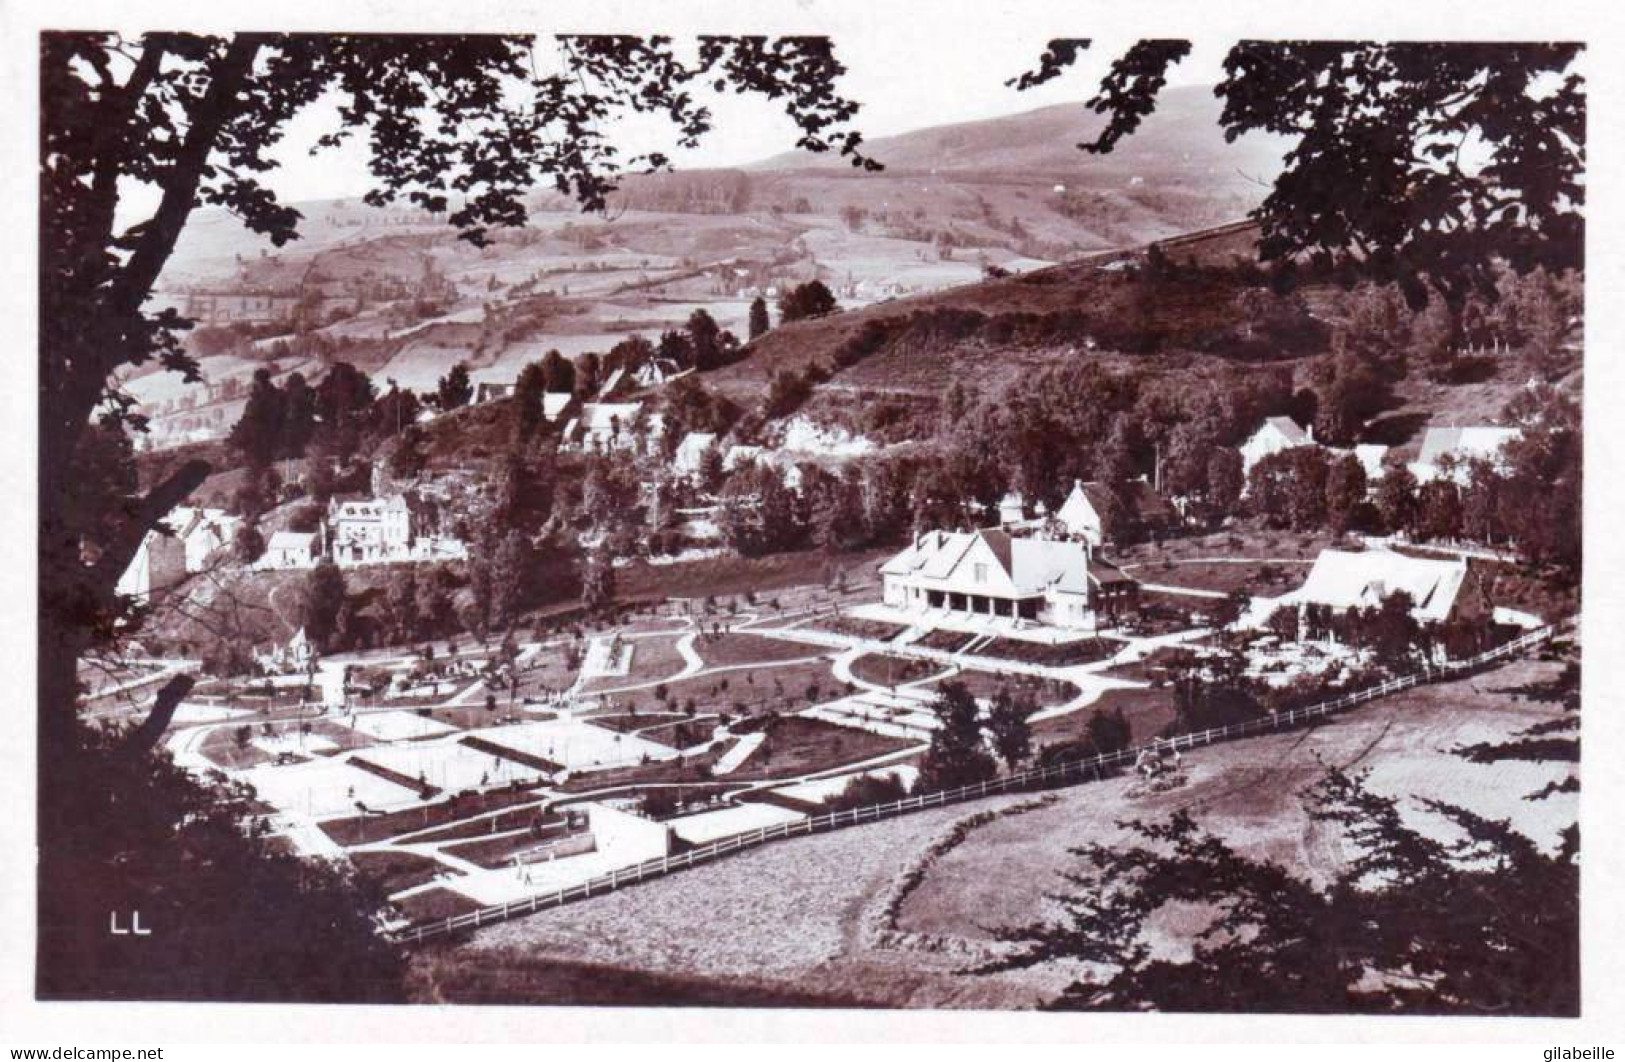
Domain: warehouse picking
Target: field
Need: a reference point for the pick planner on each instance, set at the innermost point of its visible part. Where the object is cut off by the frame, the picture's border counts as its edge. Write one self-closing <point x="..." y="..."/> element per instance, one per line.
<point x="745" y="648"/>
<point x="797" y="746"/>
<point x="813" y="933"/>
<point x="748" y="691"/>
<point x="883" y="669"/>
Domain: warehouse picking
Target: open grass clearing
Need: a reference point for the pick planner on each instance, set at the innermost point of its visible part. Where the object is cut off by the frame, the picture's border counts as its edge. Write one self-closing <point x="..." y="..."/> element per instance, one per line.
<point x="796" y="745"/>
<point x="742" y="647"/>
<point x="744" y="691"/>
<point x="395" y="871"/>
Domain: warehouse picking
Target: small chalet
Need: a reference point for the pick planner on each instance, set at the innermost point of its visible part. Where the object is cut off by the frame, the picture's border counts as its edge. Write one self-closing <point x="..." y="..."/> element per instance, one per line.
<point x="994" y="575"/>
<point x="1439" y="589"/>
<point x="1275" y="435"/>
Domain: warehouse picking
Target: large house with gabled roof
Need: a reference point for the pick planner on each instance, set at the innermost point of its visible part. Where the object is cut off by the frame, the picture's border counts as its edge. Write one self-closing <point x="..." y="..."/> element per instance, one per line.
<point x="994" y="575"/>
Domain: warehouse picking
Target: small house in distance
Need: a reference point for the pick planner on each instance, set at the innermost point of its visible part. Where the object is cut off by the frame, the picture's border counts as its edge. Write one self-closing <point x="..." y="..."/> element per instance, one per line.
<point x="991" y="575"/>
<point x="1460" y="445"/>
<point x="1081" y="515"/>
<point x="292" y="549"/>
<point x="604" y="426"/>
<point x="1440" y="590"/>
<point x="691" y="451"/>
<point x="370" y="529"/>
<point x="1273" y="436"/>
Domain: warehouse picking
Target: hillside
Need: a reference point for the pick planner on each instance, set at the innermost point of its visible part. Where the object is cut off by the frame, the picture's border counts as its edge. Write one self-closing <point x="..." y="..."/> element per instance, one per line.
<point x="1181" y="142"/>
<point x="395" y="292"/>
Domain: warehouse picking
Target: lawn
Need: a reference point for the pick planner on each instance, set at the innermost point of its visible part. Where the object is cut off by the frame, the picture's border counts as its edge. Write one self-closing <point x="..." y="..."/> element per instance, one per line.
<point x="883" y="669"/>
<point x="513" y="819"/>
<point x="1148" y="713"/>
<point x="366" y="829"/>
<point x="395" y="871"/>
<point x="749" y="691"/>
<point x="688" y="770"/>
<point x="495" y="852"/>
<point x="796" y="745"/>
<point x="1065" y="654"/>
<point x="433" y="904"/>
<point x="221" y="747"/>
<point x="653" y="659"/>
<point x="856" y="627"/>
<point x="741" y="647"/>
<point x="984" y="684"/>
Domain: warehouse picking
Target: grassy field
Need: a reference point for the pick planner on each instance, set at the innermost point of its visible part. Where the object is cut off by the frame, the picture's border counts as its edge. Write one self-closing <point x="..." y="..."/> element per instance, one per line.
<point x="883" y="669"/>
<point x="751" y="691"/>
<point x="807" y="932"/>
<point x="653" y="659"/>
<point x="398" y="870"/>
<point x="985" y="684"/>
<point x="797" y="746"/>
<point x="743" y="647"/>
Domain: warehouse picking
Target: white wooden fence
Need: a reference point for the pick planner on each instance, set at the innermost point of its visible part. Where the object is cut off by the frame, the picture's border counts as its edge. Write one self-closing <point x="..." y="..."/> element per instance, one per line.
<point x="1058" y="774"/>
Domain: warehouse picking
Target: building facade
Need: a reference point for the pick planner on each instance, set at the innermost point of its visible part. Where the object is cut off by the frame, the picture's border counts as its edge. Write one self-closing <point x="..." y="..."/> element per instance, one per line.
<point x="992" y="575"/>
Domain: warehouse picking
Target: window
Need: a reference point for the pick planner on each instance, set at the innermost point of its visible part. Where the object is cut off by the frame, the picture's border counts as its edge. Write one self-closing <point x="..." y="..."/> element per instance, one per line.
<point x="980" y="572"/>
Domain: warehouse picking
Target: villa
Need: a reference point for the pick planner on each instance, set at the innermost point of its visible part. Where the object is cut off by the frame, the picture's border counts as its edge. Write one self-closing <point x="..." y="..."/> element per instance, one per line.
<point x="370" y="529"/>
<point x="992" y="574"/>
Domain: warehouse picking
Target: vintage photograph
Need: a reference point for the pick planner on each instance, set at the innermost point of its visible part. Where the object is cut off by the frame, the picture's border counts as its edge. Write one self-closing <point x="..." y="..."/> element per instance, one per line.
<point x="864" y="520"/>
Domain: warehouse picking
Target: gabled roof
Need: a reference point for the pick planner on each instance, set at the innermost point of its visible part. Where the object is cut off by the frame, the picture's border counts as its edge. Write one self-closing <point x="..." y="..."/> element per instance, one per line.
<point x="554" y="403"/>
<point x="1464" y="443"/>
<point x="1289" y="429"/>
<point x="1078" y="508"/>
<point x="291" y="540"/>
<point x="1032" y="565"/>
<point x="1343" y="579"/>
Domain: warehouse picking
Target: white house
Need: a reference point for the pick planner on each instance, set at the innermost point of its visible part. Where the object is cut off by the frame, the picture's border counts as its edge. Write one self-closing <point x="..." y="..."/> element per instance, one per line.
<point x="692" y="450"/>
<point x="1340" y="580"/>
<point x="554" y="404"/>
<point x="163" y="560"/>
<point x="370" y="529"/>
<point x="1079" y="517"/>
<point x="1275" y="435"/>
<point x="604" y="426"/>
<point x="292" y="549"/>
<point x="1012" y="509"/>
<point x="1461" y="445"/>
<point x="740" y="454"/>
<point x="991" y="574"/>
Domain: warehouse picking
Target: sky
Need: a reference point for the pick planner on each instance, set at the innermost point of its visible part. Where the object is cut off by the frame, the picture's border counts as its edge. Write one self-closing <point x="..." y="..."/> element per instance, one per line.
<point x="903" y="82"/>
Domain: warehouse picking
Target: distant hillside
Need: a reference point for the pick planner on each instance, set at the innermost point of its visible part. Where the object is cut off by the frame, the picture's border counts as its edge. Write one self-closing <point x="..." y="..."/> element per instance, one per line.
<point x="1181" y="142"/>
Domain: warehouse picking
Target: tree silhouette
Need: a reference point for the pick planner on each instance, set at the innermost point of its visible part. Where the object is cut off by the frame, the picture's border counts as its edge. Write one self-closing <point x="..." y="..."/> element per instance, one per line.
<point x="463" y="126"/>
<point x="1377" y="181"/>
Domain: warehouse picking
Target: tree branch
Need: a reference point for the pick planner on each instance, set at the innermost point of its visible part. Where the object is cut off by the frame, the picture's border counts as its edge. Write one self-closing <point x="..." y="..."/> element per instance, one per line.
<point x="153" y="508"/>
<point x="157" y="721"/>
<point x="227" y="80"/>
